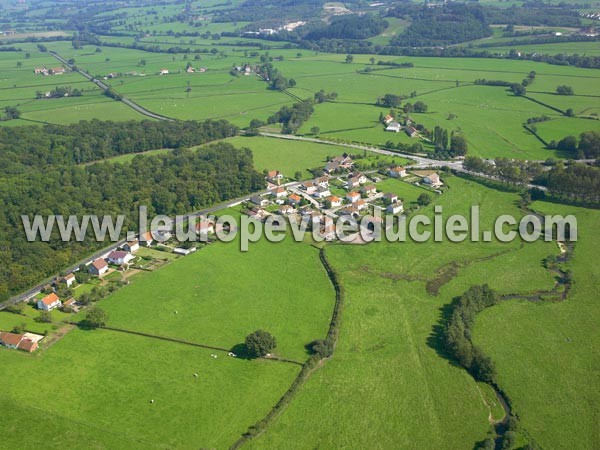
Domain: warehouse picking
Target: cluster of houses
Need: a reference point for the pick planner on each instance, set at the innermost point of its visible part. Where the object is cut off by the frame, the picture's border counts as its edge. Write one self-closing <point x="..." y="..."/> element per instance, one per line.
<point x="27" y="342"/>
<point x="52" y="71"/>
<point x="395" y="127"/>
<point x="246" y="69"/>
<point x="188" y="69"/>
<point x="315" y="199"/>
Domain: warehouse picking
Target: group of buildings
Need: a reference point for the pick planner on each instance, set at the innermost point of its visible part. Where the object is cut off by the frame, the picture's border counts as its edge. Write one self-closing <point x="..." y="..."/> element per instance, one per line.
<point x="395" y="127"/>
<point x="340" y="191"/>
<point x="52" y="71"/>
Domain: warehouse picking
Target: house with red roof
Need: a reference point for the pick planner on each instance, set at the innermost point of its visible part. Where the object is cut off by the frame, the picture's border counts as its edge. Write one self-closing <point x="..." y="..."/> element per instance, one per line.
<point x="119" y="257"/>
<point x="98" y="267"/>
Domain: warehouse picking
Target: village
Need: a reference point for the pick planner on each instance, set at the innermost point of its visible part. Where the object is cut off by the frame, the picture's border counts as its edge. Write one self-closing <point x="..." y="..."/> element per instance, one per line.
<point x="340" y="190"/>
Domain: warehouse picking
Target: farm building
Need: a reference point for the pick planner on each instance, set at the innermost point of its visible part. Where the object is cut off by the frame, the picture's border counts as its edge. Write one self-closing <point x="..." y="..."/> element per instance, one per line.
<point x="394" y="127"/>
<point x="27" y="342"/>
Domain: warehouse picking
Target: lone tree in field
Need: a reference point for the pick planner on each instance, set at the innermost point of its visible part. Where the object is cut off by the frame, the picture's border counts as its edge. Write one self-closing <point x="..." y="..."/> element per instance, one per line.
<point x="260" y="343"/>
<point x="349" y="58"/>
<point x="95" y="318"/>
<point x="424" y="199"/>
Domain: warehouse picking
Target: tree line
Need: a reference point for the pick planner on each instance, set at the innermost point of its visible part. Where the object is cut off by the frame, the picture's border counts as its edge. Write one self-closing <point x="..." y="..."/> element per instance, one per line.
<point x="458" y="331"/>
<point x="94" y="140"/>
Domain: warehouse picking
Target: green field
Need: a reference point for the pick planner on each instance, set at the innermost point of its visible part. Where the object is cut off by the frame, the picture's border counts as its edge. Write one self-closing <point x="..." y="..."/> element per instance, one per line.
<point x="159" y="374"/>
<point x="490" y="117"/>
<point x="386" y="379"/>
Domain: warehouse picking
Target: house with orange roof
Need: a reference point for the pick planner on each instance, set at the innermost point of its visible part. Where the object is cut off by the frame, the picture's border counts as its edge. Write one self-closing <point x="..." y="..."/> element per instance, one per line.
<point x="49" y="302"/>
<point x="294" y="199"/>
<point x="353" y="196"/>
<point x="18" y="341"/>
<point x="334" y="201"/>
<point x="147" y="239"/>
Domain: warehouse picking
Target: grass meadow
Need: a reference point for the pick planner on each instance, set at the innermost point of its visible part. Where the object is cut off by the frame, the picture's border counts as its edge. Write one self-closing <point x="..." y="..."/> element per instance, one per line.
<point x="387" y="386"/>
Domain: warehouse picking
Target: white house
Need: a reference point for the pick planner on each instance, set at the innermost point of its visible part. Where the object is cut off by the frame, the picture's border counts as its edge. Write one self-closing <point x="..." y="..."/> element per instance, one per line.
<point x="309" y="187"/>
<point x="259" y="201"/>
<point x="132" y="246"/>
<point x="274" y="176"/>
<point x="205" y="227"/>
<point x="69" y="279"/>
<point x="433" y="179"/>
<point x="322" y="193"/>
<point x="353" y="197"/>
<point x="286" y="209"/>
<point x="322" y="182"/>
<point x="98" y="267"/>
<point x="395" y="208"/>
<point x="119" y="257"/>
<point x="397" y="172"/>
<point x="49" y="302"/>
<point x="279" y="192"/>
<point x="394" y="127"/>
<point x="164" y="72"/>
<point x="334" y="201"/>
<point x="369" y="189"/>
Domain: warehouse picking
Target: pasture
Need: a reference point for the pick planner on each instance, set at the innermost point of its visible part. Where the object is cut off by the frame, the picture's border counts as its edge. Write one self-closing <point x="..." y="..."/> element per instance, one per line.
<point x="544" y="352"/>
<point x="106" y="396"/>
<point x="490" y="117"/>
<point x="280" y="287"/>
<point x="387" y="379"/>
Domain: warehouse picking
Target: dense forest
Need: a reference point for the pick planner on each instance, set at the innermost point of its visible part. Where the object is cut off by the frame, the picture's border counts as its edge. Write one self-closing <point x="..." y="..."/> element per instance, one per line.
<point x="42" y="177"/>
<point x="84" y="142"/>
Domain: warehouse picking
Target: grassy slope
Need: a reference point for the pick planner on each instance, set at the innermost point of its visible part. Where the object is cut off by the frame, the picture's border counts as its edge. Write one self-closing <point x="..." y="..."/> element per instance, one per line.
<point x="222" y="295"/>
<point x="93" y="390"/>
<point x="547" y="354"/>
<point x="386" y="386"/>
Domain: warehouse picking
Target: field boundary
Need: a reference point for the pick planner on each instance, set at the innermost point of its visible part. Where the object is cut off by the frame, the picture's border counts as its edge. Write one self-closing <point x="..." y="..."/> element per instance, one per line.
<point x="313" y="363"/>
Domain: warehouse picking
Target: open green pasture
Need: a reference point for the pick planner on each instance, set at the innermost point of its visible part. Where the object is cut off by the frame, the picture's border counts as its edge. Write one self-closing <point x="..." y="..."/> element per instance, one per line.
<point x="105" y="396"/>
<point x="547" y="353"/>
<point x="386" y="379"/>
<point x="285" y="155"/>
<point x="221" y="295"/>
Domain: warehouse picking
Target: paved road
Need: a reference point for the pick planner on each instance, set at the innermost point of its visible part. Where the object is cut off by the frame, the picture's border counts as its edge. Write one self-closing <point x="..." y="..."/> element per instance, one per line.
<point x="104" y="87"/>
<point x="421" y="161"/>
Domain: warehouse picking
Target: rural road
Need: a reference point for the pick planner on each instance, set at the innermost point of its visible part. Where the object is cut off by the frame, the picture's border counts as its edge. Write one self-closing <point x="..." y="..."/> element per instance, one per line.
<point x="105" y="86"/>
